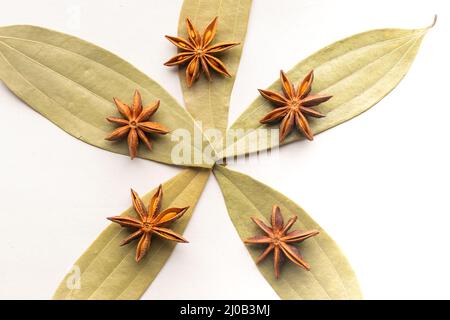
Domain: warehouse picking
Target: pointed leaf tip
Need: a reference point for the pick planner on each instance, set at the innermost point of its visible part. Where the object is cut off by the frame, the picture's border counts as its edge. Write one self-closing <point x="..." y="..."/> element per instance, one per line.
<point x="434" y="22"/>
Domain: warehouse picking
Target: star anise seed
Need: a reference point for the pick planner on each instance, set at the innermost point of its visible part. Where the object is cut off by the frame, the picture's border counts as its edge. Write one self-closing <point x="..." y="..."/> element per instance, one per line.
<point x="150" y="221"/>
<point x="279" y="240"/>
<point x="135" y="124"/>
<point x="293" y="106"/>
<point x="198" y="52"/>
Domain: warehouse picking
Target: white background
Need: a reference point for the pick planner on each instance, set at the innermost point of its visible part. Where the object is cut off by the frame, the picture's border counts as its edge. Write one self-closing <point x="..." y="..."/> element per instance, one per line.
<point x="378" y="184"/>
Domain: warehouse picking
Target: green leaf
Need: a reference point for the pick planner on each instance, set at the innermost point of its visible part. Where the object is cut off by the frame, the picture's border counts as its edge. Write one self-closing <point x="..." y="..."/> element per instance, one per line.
<point x="358" y="71"/>
<point x="208" y="101"/>
<point x="109" y="271"/>
<point x="72" y="83"/>
<point x="331" y="276"/>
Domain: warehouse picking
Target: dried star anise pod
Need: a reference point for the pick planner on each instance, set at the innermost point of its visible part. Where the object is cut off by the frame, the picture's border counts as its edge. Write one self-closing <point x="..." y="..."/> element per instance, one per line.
<point x="151" y="221"/>
<point x="279" y="240"/>
<point x="135" y="123"/>
<point x="294" y="106"/>
<point x="198" y="51"/>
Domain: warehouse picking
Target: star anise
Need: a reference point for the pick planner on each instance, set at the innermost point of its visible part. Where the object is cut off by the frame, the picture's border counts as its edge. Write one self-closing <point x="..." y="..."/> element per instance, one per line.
<point x="279" y="240"/>
<point x="151" y="221"/>
<point x="294" y="106"/>
<point x="199" y="52"/>
<point x="135" y="124"/>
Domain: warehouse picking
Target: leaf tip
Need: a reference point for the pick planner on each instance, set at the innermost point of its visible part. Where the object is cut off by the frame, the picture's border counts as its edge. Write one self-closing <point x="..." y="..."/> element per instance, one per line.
<point x="434" y="22"/>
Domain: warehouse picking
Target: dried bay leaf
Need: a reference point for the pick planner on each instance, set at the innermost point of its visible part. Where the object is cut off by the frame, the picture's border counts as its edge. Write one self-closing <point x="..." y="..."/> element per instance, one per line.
<point x="109" y="271"/>
<point x="358" y="71"/>
<point x="208" y="101"/>
<point x="331" y="276"/>
<point x="72" y="82"/>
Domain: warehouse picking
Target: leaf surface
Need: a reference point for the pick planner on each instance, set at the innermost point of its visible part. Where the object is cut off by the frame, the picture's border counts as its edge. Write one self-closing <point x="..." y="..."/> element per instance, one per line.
<point x="209" y="101"/>
<point x="109" y="271"/>
<point x="357" y="71"/>
<point x="72" y="83"/>
<point x="331" y="276"/>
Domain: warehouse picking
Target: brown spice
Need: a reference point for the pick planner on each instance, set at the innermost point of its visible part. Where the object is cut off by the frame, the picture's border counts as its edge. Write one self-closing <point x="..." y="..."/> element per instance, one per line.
<point x="198" y="52"/>
<point x="150" y="221"/>
<point x="135" y="124"/>
<point x="279" y="240"/>
<point x="294" y="106"/>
